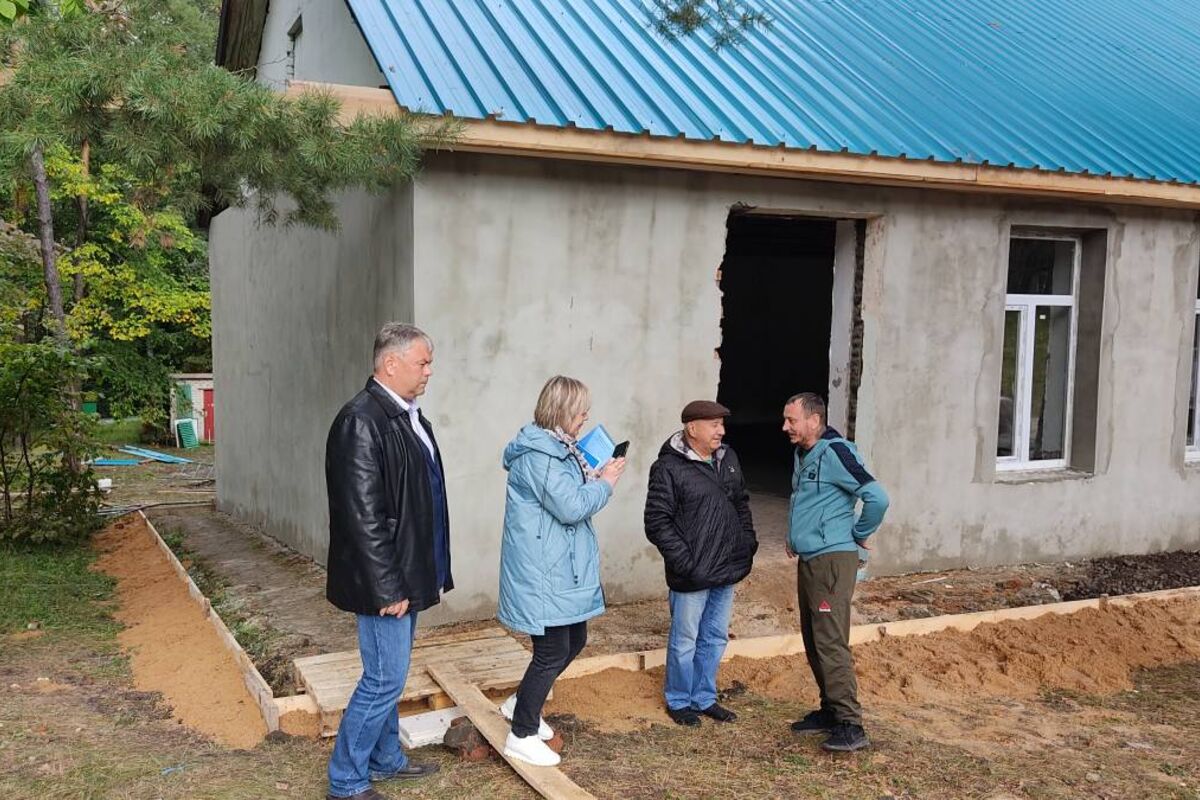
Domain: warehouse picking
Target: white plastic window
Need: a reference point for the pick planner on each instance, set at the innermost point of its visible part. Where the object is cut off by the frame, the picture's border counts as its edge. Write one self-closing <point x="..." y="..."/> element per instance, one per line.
<point x="1038" y="367"/>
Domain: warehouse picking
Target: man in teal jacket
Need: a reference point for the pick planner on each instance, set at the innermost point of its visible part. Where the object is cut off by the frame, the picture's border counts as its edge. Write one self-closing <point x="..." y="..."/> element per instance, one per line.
<point x="828" y="479"/>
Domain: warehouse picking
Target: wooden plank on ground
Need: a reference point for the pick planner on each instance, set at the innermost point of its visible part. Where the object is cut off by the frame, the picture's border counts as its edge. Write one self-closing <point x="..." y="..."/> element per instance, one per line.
<point x="549" y="782"/>
<point x="481" y="634"/>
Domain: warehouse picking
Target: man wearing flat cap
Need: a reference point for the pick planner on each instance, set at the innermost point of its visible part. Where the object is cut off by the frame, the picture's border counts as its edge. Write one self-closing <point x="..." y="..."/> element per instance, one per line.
<point x="698" y="516"/>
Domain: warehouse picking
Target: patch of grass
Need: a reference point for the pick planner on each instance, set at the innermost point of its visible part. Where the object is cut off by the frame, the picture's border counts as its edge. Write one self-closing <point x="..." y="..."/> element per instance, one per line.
<point x="1150" y="753"/>
<point x="120" y="431"/>
<point x="52" y="585"/>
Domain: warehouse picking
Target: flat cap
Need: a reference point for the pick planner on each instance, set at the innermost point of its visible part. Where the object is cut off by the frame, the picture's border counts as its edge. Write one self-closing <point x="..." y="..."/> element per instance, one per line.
<point x="703" y="409"/>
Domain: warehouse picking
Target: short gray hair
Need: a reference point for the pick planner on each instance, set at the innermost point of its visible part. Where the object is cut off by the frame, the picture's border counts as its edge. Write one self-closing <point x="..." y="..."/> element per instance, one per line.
<point x="810" y="403"/>
<point x="398" y="336"/>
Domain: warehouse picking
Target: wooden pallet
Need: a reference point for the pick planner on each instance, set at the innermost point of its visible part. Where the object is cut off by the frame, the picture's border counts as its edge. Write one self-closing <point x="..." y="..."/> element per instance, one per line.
<point x="487" y="658"/>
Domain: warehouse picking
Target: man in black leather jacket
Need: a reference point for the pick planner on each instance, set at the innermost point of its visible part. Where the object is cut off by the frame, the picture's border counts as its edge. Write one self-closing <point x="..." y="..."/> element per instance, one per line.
<point x="389" y="550"/>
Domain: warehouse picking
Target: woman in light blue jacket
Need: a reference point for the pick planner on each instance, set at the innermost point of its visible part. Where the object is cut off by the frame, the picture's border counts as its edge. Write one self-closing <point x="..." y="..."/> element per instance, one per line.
<point x="549" y="559"/>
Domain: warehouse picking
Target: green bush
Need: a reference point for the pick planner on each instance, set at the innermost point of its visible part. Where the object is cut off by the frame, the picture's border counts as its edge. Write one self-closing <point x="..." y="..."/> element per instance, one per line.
<point x="46" y="492"/>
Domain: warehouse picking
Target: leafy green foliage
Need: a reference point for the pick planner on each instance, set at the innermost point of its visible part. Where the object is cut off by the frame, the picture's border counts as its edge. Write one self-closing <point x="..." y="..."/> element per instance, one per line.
<point x="143" y="139"/>
<point x="10" y="10"/>
<point x="13" y="10"/>
<point x="146" y="309"/>
<point x="138" y="85"/>
<point x="44" y="493"/>
<point x="20" y="281"/>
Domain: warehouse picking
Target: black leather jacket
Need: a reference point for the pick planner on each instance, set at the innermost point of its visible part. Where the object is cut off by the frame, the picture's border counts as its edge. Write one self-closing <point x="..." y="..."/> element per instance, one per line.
<point x="381" y="509"/>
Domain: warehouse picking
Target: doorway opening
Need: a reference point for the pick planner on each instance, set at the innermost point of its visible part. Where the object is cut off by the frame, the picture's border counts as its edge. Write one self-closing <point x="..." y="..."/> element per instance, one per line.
<point x="778" y="308"/>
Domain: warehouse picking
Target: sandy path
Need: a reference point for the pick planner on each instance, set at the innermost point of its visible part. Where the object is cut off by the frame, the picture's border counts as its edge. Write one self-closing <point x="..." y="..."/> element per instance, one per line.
<point x="173" y="648"/>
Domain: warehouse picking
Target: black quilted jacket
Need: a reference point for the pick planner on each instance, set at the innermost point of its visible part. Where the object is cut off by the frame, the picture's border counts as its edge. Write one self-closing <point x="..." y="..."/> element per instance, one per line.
<point x="698" y="516"/>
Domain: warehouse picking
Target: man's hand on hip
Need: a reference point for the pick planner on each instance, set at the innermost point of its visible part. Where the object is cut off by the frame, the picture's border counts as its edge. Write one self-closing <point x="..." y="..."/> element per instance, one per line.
<point x="395" y="609"/>
<point x="787" y="544"/>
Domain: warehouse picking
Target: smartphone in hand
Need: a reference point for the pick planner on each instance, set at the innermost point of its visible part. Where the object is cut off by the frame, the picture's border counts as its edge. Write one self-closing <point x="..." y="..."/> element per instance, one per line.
<point x="620" y="450"/>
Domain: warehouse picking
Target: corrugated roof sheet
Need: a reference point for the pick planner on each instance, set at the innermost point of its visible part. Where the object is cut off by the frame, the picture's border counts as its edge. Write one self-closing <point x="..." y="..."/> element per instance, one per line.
<point x="1086" y="86"/>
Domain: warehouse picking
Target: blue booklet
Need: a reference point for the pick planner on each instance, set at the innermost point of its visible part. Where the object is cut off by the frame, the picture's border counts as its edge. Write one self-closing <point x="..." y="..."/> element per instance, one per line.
<point x="597" y="446"/>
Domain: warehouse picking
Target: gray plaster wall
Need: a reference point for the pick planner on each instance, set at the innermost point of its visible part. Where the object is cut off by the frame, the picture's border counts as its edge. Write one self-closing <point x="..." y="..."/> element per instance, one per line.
<point x="330" y="48"/>
<point x="523" y="268"/>
<point x="295" y="313"/>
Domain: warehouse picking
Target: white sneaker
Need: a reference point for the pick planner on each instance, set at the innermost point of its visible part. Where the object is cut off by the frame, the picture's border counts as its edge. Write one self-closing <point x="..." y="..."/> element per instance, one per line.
<point x="531" y="750"/>
<point x="509" y="706"/>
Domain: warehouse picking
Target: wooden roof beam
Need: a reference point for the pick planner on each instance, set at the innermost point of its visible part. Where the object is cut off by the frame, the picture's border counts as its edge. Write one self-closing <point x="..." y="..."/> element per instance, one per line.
<point x="491" y="136"/>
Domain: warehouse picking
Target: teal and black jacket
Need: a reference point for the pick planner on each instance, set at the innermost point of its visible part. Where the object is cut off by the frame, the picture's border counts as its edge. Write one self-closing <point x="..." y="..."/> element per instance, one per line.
<point x="827" y="481"/>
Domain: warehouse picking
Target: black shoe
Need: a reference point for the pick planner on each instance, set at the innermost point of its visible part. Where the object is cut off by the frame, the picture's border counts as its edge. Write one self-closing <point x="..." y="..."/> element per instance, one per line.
<point x="819" y="721"/>
<point x="719" y="713"/>
<point x="410" y="772"/>
<point x="684" y="716"/>
<point x="369" y="794"/>
<point x="846" y="738"/>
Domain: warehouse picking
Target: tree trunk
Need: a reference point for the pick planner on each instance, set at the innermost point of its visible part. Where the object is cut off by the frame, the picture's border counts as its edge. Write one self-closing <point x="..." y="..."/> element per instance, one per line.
<point x="23" y="439"/>
<point x="49" y="266"/>
<point x="41" y="185"/>
<point x="82" y="200"/>
<point x="5" y="481"/>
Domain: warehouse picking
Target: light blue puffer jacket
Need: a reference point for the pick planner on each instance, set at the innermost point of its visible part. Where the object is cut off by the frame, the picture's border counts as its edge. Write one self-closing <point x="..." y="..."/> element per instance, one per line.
<point x="549" y="558"/>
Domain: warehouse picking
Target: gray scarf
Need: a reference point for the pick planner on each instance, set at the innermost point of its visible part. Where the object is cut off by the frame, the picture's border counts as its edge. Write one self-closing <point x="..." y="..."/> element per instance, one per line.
<point x="568" y="441"/>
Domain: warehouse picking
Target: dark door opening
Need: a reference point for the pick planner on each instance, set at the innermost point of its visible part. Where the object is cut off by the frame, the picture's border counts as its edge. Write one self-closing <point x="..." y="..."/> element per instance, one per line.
<point x="777" y="286"/>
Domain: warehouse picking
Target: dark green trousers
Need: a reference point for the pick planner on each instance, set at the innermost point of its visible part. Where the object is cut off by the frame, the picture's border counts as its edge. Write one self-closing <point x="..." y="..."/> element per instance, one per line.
<point x="824" y="587"/>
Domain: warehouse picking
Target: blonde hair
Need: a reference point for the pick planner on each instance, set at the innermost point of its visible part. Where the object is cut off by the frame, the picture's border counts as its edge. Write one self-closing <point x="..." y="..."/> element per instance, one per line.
<point x="561" y="399"/>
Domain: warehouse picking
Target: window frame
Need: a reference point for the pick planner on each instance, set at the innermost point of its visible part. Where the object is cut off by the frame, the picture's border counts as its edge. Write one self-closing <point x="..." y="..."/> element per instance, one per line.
<point x="1026" y="306"/>
<point x="1192" y="451"/>
<point x="293" y="34"/>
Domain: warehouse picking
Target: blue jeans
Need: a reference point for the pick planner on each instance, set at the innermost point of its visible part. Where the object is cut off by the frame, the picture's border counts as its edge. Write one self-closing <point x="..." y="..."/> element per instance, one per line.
<point x="699" y="633"/>
<point x="368" y="740"/>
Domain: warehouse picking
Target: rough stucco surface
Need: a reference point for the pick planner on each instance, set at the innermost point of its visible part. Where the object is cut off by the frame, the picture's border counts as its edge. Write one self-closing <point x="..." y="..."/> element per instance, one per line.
<point x="295" y="313"/>
<point x="521" y="269"/>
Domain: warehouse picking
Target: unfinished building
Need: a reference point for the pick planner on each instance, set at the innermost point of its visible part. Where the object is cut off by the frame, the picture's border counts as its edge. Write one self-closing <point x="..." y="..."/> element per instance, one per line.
<point x="973" y="228"/>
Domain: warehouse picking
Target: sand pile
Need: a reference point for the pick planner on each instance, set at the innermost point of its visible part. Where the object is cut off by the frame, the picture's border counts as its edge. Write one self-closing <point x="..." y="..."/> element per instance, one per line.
<point x="173" y="648"/>
<point x="1090" y="651"/>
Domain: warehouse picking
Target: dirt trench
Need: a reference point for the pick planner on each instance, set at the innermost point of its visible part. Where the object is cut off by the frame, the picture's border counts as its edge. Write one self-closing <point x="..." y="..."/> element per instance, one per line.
<point x="173" y="648"/>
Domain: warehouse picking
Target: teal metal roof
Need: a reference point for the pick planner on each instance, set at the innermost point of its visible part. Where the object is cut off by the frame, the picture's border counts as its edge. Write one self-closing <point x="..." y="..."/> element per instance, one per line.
<point x="1108" y="87"/>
